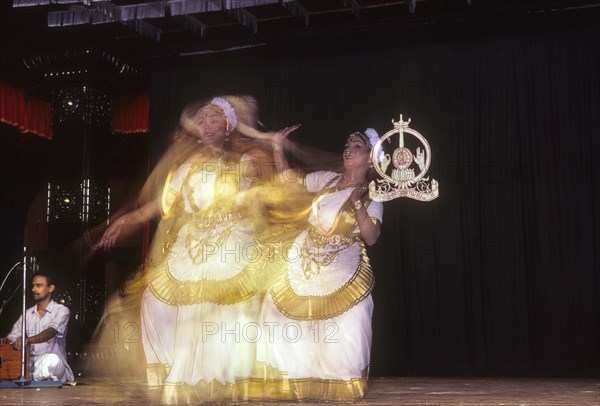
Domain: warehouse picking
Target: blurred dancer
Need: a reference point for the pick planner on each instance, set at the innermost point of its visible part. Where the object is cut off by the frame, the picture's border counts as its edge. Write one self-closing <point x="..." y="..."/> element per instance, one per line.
<point x="203" y="276"/>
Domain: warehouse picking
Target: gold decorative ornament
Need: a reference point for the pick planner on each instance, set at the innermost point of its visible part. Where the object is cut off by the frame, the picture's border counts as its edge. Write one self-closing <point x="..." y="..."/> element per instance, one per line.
<point x="410" y="163"/>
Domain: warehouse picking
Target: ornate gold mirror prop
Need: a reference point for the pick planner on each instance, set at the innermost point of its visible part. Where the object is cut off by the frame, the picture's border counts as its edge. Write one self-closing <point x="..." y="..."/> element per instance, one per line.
<point x="410" y="161"/>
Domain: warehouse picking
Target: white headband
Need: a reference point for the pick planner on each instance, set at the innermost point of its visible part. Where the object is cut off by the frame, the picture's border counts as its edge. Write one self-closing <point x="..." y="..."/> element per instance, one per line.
<point x="228" y="111"/>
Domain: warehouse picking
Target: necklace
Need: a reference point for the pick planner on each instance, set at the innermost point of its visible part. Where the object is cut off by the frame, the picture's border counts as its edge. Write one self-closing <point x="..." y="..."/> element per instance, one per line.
<point x="343" y="183"/>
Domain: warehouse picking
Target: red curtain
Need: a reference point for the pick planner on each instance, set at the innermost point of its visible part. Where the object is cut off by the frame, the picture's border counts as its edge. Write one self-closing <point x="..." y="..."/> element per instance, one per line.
<point x="31" y="115"/>
<point x="28" y="114"/>
<point x="131" y="114"/>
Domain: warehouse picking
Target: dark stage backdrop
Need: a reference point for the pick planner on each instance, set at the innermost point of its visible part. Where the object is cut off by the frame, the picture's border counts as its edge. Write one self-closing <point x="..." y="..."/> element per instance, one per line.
<point x="499" y="275"/>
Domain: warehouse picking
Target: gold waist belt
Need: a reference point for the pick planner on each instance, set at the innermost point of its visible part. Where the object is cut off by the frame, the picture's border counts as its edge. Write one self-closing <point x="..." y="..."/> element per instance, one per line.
<point x="335" y="240"/>
<point x="207" y="221"/>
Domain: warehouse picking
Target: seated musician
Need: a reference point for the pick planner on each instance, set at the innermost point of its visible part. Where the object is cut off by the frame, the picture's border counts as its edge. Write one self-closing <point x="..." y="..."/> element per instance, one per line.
<point x="46" y="331"/>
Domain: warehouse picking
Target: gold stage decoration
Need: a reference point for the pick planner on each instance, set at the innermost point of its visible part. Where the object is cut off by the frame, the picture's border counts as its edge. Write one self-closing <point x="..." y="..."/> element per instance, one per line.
<point x="410" y="161"/>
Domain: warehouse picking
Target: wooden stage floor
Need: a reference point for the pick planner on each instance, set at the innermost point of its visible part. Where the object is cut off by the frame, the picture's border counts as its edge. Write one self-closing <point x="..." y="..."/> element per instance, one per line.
<point x="382" y="391"/>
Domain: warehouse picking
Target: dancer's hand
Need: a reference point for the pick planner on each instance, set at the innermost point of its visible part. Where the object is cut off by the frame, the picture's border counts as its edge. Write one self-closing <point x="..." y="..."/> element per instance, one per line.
<point x="277" y="140"/>
<point x="358" y="192"/>
<point x="280" y="136"/>
<point x="109" y="238"/>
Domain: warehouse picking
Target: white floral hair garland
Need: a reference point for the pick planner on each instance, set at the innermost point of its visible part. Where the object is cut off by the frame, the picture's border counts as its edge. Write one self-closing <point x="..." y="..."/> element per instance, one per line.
<point x="372" y="135"/>
<point x="373" y="138"/>
<point x="228" y="111"/>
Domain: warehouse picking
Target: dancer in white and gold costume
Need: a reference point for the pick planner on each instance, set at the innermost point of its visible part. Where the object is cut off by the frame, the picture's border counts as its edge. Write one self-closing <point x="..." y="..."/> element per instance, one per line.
<point x="202" y="285"/>
<point x="316" y="318"/>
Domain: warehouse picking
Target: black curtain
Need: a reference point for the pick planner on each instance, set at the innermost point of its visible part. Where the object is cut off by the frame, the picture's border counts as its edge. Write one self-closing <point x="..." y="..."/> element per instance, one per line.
<point x="499" y="275"/>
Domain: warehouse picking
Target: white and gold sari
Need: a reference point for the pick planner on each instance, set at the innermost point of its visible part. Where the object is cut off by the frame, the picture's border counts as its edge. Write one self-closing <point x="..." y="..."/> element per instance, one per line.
<point x="316" y="318"/>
